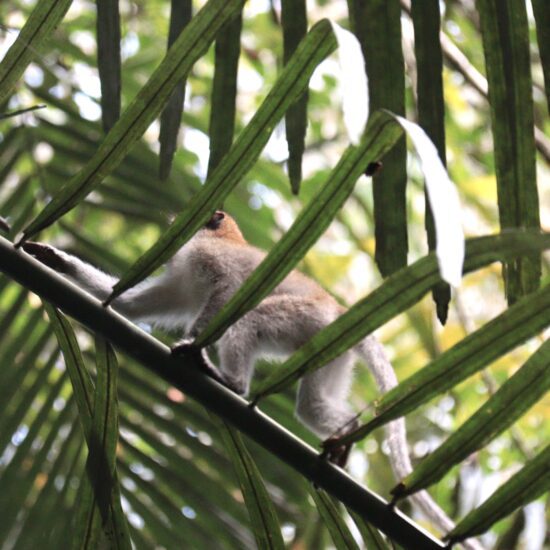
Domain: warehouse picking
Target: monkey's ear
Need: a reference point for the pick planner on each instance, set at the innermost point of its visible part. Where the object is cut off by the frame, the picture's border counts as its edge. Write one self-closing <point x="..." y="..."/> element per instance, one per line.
<point x="216" y="220"/>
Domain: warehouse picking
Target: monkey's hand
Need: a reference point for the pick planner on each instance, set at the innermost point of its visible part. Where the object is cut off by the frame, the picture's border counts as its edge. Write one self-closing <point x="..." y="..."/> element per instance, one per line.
<point x="48" y="255"/>
<point x="334" y="451"/>
<point x="187" y="348"/>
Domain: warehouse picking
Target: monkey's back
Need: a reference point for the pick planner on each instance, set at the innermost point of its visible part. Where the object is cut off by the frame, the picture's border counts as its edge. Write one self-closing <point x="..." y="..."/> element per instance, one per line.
<point x="230" y="263"/>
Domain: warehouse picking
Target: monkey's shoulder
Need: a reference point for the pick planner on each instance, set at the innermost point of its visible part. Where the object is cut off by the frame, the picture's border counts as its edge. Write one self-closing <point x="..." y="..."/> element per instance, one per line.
<point x="217" y="258"/>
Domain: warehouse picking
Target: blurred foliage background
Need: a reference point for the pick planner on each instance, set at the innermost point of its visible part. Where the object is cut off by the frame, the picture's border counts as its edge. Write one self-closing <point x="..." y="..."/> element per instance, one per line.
<point x="177" y="482"/>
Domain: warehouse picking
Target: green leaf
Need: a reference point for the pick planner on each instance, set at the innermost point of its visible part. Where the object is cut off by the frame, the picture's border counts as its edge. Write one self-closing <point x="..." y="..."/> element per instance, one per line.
<point x="294" y="23"/>
<point x="11" y="114"/>
<point x="521" y="321"/>
<point x="99" y="507"/>
<point x="190" y="45"/>
<point x="328" y="510"/>
<point x="38" y="525"/>
<point x="224" y="91"/>
<point x="372" y="538"/>
<point x="20" y="475"/>
<point x="97" y="414"/>
<point x="431" y="109"/>
<point x="39" y="27"/>
<point x="319" y="43"/>
<point x="510" y="402"/>
<point x="377" y="25"/>
<point x="14" y="413"/>
<point x="81" y="380"/>
<point x="541" y="10"/>
<point x="263" y="518"/>
<point x="528" y="484"/>
<point x="108" y="60"/>
<point x="380" y="135"/>
<point x="170" y="119"/>
<point x="395" y="295"/>
<point x="505" y="34"/>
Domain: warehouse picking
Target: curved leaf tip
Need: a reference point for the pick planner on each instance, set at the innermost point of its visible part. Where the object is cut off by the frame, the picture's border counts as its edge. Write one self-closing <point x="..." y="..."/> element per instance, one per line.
<point x="444" y="202"/>
<point x="353" y="83"/>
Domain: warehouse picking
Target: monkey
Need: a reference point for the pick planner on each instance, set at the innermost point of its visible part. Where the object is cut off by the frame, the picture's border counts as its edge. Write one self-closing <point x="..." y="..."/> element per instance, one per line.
<point x="200" y="278"/>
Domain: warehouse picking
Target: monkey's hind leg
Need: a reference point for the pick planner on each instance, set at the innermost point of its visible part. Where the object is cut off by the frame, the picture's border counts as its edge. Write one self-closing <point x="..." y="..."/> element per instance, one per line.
<point x="199" y="357"/>
<point x="322" y="405"/>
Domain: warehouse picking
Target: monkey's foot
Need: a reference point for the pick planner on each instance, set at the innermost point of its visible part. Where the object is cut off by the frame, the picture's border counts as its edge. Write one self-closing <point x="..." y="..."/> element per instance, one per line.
<point x="337" y="454"/>
<point x="47" y="255"/>
<point x="202" y="361"/>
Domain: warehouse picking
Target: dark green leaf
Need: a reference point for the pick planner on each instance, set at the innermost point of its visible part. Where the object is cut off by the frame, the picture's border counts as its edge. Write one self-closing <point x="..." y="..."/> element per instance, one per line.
<point x="328" y="510"/>
<point x="81" y="380"/>
<point x="99" y="507"/>
<point x="14" y="413"/>
<point x="39" y="27"/>
<point x="521" y="321"/>
<point x="18" y="478"/>
<point x="293" y="80"/>
<point x="372" y="538"/>
<point x="380" y="135"/>
<point x="541" y="10"/>
<point x="263" y="518"/>
<point x="294" y="22"/>
<point x="224" y="91"/>
<point x="100" y="431"/>
<point x="108" y="60"/>
<point x="190" y="45"/>
<point x="431" y="109"/>
<point x="505" y="36"/>
<point x="529" y="483"/>
<point x="170" y="119"/>
<point x="510" y="402"/>
<point x="21" y="111"/>
<point x="396" y="294"/>
<point x="377" y="25"/>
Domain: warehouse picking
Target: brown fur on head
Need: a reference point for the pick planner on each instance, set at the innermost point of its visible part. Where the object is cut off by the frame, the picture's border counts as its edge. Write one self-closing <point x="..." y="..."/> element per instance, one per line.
<point x="223" y="226"/>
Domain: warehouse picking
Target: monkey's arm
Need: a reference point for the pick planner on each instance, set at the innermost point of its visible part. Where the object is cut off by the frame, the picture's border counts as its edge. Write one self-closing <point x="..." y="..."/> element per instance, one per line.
<point x="151" y="301"/>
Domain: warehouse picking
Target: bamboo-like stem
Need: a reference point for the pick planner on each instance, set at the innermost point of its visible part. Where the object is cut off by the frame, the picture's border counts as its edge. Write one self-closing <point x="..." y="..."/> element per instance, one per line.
<point x="184" y="373"/>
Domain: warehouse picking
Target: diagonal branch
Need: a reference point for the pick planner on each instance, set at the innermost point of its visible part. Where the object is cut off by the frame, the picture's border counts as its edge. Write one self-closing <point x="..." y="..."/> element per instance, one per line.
<point x="184" y="374"/>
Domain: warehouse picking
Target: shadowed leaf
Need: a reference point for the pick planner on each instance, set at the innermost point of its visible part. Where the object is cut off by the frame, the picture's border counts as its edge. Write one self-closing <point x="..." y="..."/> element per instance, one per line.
<point x="108" y="60"/>
<point x="377" y="26"/>
<point x="170" y="119"/>
<point x="224" y="91"/>
<point x="504" y="30"/>
<point x="510" y="402"/>
<point x="294" y="23"/>
<point x="332" y="518"/>
<point x="528" y="484"/>
<point x="263" y="517"/>
<point x="38" y="28"/>
<point x="431" y="109"/>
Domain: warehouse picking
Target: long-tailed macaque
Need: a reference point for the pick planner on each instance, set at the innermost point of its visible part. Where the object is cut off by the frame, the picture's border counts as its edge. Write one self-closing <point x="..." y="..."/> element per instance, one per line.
<point x="200" y="278"/>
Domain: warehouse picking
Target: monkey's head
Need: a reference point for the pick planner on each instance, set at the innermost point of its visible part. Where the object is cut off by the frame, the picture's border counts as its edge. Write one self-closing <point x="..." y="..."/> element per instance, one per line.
<point x="221" y="225"/>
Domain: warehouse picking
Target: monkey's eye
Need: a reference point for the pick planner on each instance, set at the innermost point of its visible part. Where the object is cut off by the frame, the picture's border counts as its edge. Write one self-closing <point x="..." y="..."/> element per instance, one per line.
<point x="216" y="220"/>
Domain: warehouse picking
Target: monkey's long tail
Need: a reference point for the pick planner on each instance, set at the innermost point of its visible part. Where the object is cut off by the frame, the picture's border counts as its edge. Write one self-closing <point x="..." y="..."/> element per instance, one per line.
<point x="374" y="354"/>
